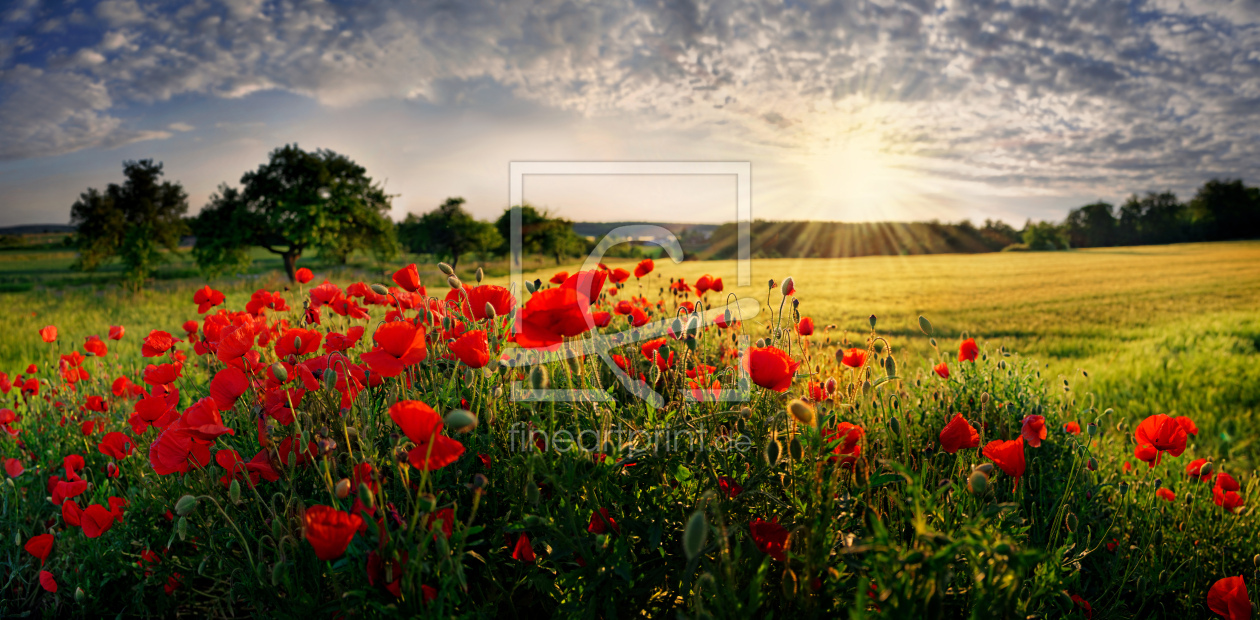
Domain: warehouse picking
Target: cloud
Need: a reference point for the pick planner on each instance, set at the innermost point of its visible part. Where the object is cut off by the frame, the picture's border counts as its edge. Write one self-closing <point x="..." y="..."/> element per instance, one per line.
<point x="180" y="127"/>
<point x="1074" y="94"/>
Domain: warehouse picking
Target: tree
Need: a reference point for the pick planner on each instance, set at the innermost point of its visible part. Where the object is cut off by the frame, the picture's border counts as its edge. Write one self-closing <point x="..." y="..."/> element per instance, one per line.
<point x="1153" y="219"/>
<point x="448" y="231"/>
<point x="296" y="201"/>
<point x="1226" y="210"/>
<point x="1045" y="236"/>
<point x="541" y="233"/>
<point x="1091" y="226"/>
<point x="134" y="221"/>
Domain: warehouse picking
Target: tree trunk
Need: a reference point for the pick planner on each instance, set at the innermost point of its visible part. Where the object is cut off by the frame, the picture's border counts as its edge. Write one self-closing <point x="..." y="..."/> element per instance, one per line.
<point x="290" y="265"/>
<point x="454" y="261"/>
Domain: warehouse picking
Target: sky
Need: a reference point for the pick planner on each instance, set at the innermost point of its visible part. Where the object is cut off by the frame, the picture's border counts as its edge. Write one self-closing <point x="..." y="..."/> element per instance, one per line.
<point x="849" y="110"/>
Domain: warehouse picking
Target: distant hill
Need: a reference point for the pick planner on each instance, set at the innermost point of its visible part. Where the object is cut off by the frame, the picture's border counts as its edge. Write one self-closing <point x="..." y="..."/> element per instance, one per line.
<point x="37" y="229"/>
<point x="599" y="229"/>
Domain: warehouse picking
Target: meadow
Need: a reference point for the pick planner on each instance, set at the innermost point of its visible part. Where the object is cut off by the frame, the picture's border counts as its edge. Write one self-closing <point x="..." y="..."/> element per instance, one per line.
<point x="816" y="519"/>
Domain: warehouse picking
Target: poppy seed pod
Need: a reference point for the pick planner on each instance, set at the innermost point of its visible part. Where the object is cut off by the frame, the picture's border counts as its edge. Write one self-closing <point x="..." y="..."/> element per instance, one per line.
<point x="873" y="319"/>
<point x="802" y="412"/>
<point x="1124" y="487"/>
<point x="446" y="269"/>
<point x="1091" y="429"/>
<point x="453" y="282"/>
<point x="695" y="534"/>
<point x="342" y="488"/>
<point x="977" y="483"/>
<point x="278" y="371"/>
<point x="185" y="505"/>
<point x="539" y="379"/>
<point x="380" y="289"/>
<point x="461" y="421"/>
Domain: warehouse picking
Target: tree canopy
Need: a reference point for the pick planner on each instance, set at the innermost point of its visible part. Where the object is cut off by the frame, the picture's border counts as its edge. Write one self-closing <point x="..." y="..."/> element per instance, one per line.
<point x="133" y="220"/>
<point x="296" y="202"/>
<point x="541" y="233"/>
<point x="448" y="232"/>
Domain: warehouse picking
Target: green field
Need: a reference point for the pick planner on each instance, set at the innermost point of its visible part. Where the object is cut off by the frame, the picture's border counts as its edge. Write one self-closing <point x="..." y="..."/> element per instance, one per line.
<point x="1108" y="336"/>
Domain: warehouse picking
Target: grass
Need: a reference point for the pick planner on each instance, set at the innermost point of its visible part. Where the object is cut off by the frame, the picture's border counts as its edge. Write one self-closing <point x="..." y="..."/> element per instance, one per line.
<point x="896" y="533"/>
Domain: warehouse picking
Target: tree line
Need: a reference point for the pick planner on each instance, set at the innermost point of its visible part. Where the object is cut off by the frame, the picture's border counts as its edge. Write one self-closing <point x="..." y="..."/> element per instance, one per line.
<point x="296" y="203"/>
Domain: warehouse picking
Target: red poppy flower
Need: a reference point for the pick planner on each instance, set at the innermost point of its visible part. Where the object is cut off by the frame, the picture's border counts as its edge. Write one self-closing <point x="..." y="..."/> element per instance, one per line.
<point x="1195" y="470"/>
<point x="652" y="350"/>
<point x="71" y="513"/>
<point x="1083" y="604"/>
<point x="96" y="520"/>
<point x="1228" y="597"/>
<point x="47" y="582"/>
<point x="95" y="346"/>
<point x="560" y="277"/>
<point x="340" y="342"/>
<point x="968" y="351"/>
<point x="717" y="285"/>
<point x="1225" y="492"/>
<point x="297" y="341"/>
<point x="1008" y="456"/>
<point x="770" y="538"/>
<point x="206" y="298"/>
<point x="303" y="275"/>
<point x="227" y="386"/>
<point x="644" y="267"/>
<point x="399" y="344"/>
<point x="703" y="394"/>
<point x="942" y="369"/>
<point x="386" y="573"/>
<point x="1166" y="495"/>
<point x="551" y="315"/>
<point x="116" y="332"/>
<point x="116" y="445"/>
<point x="601" y="522"/>
<point x="1158" y="434"/>
<point x="472" y="348"/>
<point x="234" y="341"/>
<point x="68" y="489"/>
<point x="770" y="368"/>
<point x="472" y="301"/>
<point x="805" y="327"/>
<point x="958" y="434"/>
<point x="1187" y="424"/>
<point x="523" y="551"/>
<point x="40" y="546"/>
<point x="175" y="449"/>
<point x="13" y="468"/>
<point x="420" y="423"/>
<point x="1033" y="430"/>
<point x="703" y="284"/>
<point x="408" y="278"/>
<point x="854" y="358"/>
<point x="619" y="275"/>
<point x="729" y="487"/>
<point x="329" y="530"/>
<point x="1072" y="428"/>
<point x="850" y="447"/>
<point x="49" y="333"/>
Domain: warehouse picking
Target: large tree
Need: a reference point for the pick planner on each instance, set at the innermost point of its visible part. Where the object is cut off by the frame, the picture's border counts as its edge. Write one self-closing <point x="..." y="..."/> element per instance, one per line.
<point x="1092" y="226"/>
<point x="541" y="233"/>
<point x="133" y="220"/>
<point x="448" y="231"/>
<point x="296" y="202"/>
<point x="1226" y="210"/>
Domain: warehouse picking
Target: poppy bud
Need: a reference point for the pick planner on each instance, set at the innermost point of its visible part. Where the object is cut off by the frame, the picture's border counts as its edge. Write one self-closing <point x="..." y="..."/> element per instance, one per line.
<point x="428" y="503"/>
<point x="1091" y="464"/>
<point x="330" y="380"/>
<point x="771" y="282"/>
<point x="490" y="313"/>
<point x="795" y="449"/>
<point x="925" y="326"/>
<point x="461" y="421"/>
<point x="890" y="366"/>
<point x="380" y="289"/>
<point x="695" y="534"/>
<point x="277" y="573"/>
<point x="788" y="287"/>
<point x="480" y="275"/>
<point x="278" y="371"/>
<point x="1065" y="601"/>
<point x="985" y="468"/>
<point x="761" y="343"/>
<point x="446" y="269"/>
<point x="277" y="528"/>
<point x="181" y="528"/>
<point x="531" y="493"/>
<point x="1070" y="522"/>
<point x="1108" y="411"/>
<point x="773" y="451"/>
<point x="802" y="412"/>
<point x="529" y="286"/>
<point x="692" y="343"/>
<point x="297" y="343"/>
<point x="873" y="319"/>
<point x="894" y="425"/>
<point x="185" y="505"/>
<point x="745" y="412"/>
<point x="479" y="482"/>
<point x="79" y="595"/>
<point x="866" y="387"/>
<point x="342" y="489"/>
<point x="365" y="495"/>
<point x="832" y="384"/>
<point x="984" y="398"/>
<point x="977" y="483"/>
<point x="789" y="584"/>
<point x="454" y="283"/>
<point x="538" y="378"/>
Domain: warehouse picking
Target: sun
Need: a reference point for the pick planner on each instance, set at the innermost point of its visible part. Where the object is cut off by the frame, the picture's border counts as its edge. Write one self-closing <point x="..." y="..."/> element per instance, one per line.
<point x="851" y="176"/>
